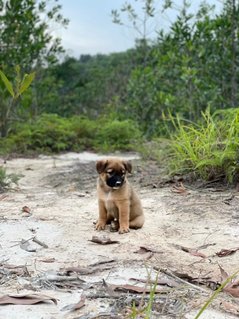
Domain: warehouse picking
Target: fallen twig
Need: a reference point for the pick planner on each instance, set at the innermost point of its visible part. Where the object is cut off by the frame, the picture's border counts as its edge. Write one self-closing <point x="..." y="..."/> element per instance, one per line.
<point x="23" y="241"/>
<point x="52" y="277"/>
<point x="85" y="271"/>
<point x="169" y="273"/>
<point x="102" y="262"/>
<point x="39" y="242"/>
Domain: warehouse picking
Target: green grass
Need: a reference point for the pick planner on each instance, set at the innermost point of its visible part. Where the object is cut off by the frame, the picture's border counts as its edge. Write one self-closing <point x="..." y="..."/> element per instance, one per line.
<point x="6" y="180"/>
<point x="146" y="312"/>
<point x="208" y="148"/>
<point x="215" y="294"/>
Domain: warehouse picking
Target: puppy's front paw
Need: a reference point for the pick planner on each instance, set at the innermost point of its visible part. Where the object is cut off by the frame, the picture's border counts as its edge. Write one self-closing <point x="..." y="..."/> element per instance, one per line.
<point x="123" y="230"/>
<point x="100" y="225"/>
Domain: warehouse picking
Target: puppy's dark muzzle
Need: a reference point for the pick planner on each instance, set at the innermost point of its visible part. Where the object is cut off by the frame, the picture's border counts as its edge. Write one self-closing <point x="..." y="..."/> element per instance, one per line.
<point x="115" y="181"/>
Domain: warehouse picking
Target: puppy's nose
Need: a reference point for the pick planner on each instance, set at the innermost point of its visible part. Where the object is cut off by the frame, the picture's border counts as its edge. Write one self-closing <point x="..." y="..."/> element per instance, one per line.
<point x="118" y="183"/>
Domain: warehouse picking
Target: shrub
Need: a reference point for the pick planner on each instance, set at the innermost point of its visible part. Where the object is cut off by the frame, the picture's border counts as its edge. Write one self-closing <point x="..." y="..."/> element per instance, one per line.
<point x="51" y="133"/>
<point x="209" y="148"/>
<point x="118" y="135"/>
<point x="85" y="132"/>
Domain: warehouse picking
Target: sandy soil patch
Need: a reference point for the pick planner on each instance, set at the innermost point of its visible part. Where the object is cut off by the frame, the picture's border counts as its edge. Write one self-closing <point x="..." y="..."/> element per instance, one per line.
<point x="183" y="233"/>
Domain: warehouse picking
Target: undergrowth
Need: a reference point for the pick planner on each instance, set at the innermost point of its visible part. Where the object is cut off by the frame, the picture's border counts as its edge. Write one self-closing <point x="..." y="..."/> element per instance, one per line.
<point x="208" y="148"/>
<point x="51" y="133"/>
<point x="6" y="180"/>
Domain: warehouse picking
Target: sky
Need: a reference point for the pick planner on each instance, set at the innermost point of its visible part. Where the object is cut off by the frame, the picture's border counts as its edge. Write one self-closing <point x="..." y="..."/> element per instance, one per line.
<point x="92" y="31"/>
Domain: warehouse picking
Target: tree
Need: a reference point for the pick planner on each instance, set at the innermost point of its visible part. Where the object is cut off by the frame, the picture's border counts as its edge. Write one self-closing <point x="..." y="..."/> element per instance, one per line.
<point x="193" y="66"/>
<point x="26" y="39"/>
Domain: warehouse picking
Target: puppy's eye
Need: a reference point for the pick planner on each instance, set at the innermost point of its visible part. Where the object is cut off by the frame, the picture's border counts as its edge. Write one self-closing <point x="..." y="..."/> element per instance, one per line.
<point x="110" y="172"/>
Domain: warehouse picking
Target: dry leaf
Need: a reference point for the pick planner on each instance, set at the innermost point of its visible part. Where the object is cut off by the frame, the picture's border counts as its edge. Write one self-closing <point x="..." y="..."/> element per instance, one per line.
<point x="20" y="270"/>
<point x="103" y="240"/>
<point x="224" y="274"/>
<point x="233" y="287"/>
<point x="195" y="280"/>
<point x="226" y="252"/>
<point x="235" y="284"/>
<point x="230" y="307"/>
<point x="26" y="209"/>
<point x="179" y="189"/>
<point x="197" y="253"/>
<point x="232" y="291"/>
<point x="191" y="251"/>
<point x="132" y="288"/>
<point x="48" y="260"/>
<point x="27" y="299"/>
<point x="75" y="306"/>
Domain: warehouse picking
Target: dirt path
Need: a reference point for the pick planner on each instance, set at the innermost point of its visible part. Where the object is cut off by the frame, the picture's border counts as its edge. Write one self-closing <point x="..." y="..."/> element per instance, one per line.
<point x="61" y="194"/>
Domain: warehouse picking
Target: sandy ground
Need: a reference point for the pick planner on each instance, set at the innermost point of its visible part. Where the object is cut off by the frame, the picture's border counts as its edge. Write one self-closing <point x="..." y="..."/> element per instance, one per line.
<point x="60" y="193"/>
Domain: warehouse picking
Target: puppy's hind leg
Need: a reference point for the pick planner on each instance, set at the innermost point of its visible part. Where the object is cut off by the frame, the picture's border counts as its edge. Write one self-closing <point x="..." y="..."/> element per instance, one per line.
<point x="137" y="222"/>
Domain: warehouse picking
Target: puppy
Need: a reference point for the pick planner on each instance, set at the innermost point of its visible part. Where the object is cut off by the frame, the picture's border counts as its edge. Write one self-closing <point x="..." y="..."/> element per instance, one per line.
<point x="116" y="198"/>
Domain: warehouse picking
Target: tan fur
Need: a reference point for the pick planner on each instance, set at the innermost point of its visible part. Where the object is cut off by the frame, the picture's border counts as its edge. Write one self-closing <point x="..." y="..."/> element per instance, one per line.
<point x="123" y="203"/>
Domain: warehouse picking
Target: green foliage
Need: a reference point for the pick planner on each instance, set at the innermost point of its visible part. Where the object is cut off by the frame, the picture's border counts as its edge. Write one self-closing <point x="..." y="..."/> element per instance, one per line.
<point x="186" y="70"/>
<point x="86" y="85"/>
<point x="20" y="85"/>
<point x="192" y="66"/>
<point x="51" y="133"/>
<point x="26" y="39"/>
<point x="7" y="83"/>
<point x="209" y="148"/>
<point x="6" y="180"/>
<point x="16" y="88"/>
<point x="26" y="33"/>
<point x="118" y="135"/>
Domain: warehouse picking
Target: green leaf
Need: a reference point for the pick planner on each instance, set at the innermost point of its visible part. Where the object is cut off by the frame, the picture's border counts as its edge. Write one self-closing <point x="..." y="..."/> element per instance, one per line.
<point x="26" y="82"/>
<point x="7" y="83"/>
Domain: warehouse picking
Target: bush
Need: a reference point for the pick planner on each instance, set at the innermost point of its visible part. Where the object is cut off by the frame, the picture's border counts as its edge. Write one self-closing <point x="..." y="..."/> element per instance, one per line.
<point x="210" y="148"/>
<point x="118" y="135"/>
<point x="51" y="133"/>
<point x="85" y="131"/>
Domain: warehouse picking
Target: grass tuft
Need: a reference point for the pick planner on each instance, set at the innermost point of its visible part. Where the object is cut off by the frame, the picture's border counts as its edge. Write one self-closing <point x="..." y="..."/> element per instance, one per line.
<point x="6" y="180"/>
<point x="208" y="148"/>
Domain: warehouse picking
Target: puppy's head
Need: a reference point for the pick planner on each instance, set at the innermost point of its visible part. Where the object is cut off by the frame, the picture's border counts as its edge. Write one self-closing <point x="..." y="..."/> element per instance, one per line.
<point x="113" y="171"/>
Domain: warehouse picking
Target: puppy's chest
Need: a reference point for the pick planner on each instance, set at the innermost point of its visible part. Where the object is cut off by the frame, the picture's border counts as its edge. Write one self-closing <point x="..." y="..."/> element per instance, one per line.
<point x="109" y="202"/>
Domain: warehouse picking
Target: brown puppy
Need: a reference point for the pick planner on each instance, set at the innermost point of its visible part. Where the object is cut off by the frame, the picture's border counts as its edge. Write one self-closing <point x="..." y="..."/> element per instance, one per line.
<point x="116" y="197"/>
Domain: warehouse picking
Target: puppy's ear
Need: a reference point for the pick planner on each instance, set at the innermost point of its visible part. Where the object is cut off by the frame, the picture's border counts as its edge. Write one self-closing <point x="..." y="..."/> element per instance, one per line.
<point x="101" y="166"/>
<point x="128" y="166"/>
